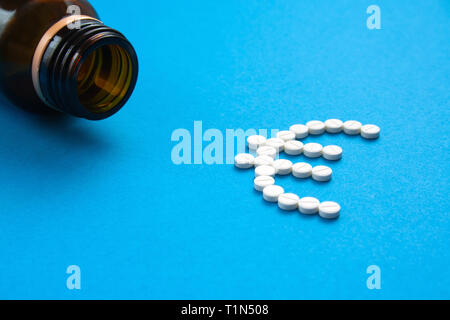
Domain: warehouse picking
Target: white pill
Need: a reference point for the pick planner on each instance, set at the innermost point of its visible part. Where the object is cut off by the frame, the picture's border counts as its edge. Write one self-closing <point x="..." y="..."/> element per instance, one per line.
<point x="272" y="192"/>
<point x="263" y="181"/>
<point x="256" y="141"/>
<point x="308" y="205"/>
<point x="276" y="143"/>
<point x="332" y="152"/>
<point x="286" y="135"/>
<point x="316" y="127"/>
<point x="334" y="125"/>
<point x="244" y="160"/>
<point x="283" y="166"/>
<point x="352" y="127"/>
<point x="288" y="201"/>
<point x="265" y="171"/>
<point x="293" y="147"/>
<point x="312" y="150"/>
<point x="322" y="173"/>
<point x="370" y="131"/>
<point x="267" y="151"/>
<point x="301" y="131"/>
<point x="329" y="210"/>
<point x="263" y="161"/>
<point x="302" y="170"/>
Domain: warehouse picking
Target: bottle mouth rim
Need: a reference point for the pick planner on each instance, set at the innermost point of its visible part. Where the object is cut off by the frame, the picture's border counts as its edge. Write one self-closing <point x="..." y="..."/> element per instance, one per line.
<point x="43" y="46"/>
<point x="58" y="66"/>
<point x="94" y="112"/>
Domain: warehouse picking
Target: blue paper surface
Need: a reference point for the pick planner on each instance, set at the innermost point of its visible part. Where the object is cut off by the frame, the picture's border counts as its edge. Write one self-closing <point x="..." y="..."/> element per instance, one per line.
<point x="107" y="197"/>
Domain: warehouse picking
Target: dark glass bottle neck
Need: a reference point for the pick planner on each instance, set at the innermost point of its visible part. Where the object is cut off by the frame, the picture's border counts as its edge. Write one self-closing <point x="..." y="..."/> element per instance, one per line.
<point x="89" y="71"/>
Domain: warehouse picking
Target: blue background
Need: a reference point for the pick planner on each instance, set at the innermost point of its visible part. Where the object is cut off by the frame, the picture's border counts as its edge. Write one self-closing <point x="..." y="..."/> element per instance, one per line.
<point x="107" y="197"/>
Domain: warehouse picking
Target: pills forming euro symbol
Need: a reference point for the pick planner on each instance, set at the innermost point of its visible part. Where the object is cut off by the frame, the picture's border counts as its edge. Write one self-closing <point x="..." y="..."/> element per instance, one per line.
<point x="266" y="168"/>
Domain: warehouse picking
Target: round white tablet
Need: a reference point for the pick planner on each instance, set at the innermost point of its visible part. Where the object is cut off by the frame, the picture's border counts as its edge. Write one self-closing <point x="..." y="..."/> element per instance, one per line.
<point x="286" y="135"/>
<point x="370" y="131"/>
<point x="276" y="143"/>
<point x="263" y="181"/>
<point x="256" y="141"/>
<point x="302" y="170"/>
<point x="322" y="173"/>
<point x="293" y="147"/>
<point x="316" y="127"/>
<point x="301" y="131"/>
<point x="334" y="125"/>
<point x="283" y="166"/>
<point x="244" y="160"/>
<point x="352" y="127"/>
<point x="272" y="192"/>
<point x="288" y="201"/>
<point x="308" y="205"/>
<point x="265" y="171"/>
<point x="267" y="151"/>
<point x="329" y="210"/>
<point x="312" y="150"/>
<point x="263" y="161"/>
<point x="332" y="152"/>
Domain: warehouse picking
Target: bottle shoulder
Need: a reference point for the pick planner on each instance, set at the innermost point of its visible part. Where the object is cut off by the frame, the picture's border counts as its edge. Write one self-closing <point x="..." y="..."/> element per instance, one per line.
<point x="26" y="21"/>
<point x="22" y="25"/>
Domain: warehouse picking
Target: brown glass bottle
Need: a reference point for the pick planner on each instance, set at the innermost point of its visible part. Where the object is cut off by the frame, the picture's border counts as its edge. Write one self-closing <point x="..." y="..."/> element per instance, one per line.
<point x="57" y="54"/>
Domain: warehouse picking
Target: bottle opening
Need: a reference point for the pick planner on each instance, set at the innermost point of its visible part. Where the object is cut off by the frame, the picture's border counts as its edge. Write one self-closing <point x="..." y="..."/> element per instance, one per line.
<point x="104" y="78"/>
<point x="89" y="72"/>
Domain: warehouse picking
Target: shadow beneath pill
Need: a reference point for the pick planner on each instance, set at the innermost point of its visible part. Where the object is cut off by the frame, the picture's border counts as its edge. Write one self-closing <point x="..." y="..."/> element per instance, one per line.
<point x="301" y="180"/>
<point x="307" y="216"/>
<point x="268" y="203"/>
<point x="328" y="221"/>
<point x="286" y="212"/>
<point x="321" y="183"/>
<point x="331" y="162"/>
<point x="236" y="169"/>
<point x="333" y="134"/>
<point x="351" y="136"/>
<point x="371" y="141"/>
<point x="281" y="177"/>
<point x="301" y="158"/>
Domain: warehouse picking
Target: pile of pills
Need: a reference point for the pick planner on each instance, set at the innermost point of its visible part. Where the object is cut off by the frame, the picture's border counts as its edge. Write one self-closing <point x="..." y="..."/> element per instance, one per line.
<point x="267" y="166"/>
